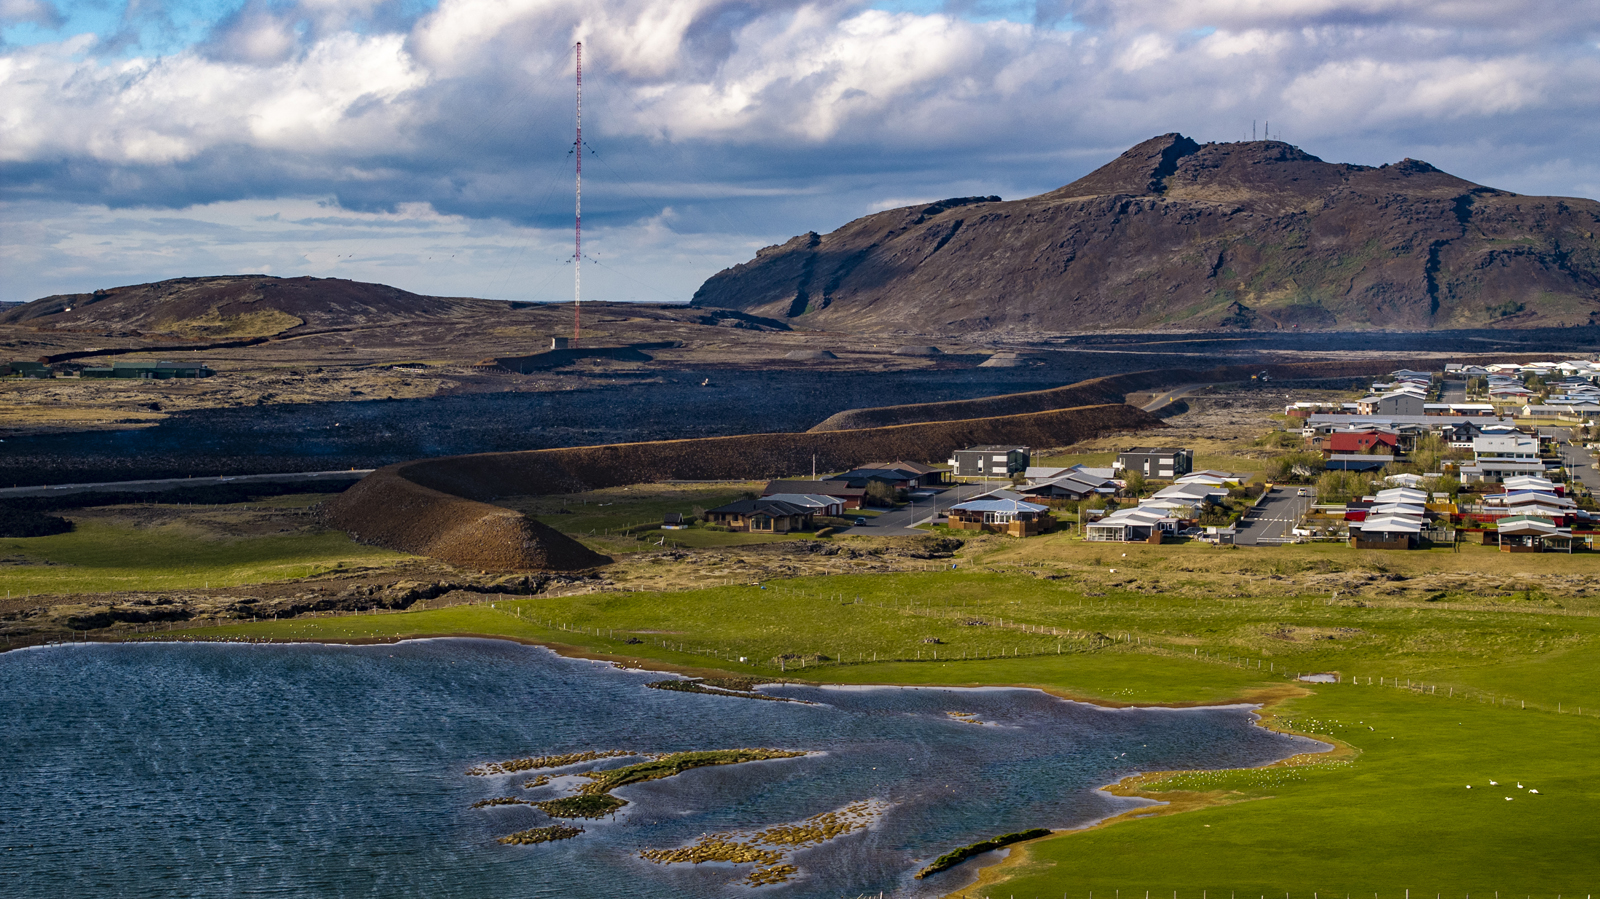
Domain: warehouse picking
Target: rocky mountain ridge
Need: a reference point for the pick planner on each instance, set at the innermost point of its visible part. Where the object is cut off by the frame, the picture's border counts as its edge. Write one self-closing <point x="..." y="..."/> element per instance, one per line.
<point x="1179" y="235"/>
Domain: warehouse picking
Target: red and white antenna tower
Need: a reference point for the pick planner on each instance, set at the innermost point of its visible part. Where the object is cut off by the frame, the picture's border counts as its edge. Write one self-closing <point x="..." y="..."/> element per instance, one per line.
<point x="577" y="230"/>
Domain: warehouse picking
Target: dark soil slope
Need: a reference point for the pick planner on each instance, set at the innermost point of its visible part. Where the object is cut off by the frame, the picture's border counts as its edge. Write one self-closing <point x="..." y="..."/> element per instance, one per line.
<point x="236" y="306"/>
<point x="1176" y="234"/>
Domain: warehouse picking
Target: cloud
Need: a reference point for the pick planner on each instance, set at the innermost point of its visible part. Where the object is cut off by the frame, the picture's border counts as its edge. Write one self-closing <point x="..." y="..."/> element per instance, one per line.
<point x="752" y="120"/>
<point x="36" y="12"/>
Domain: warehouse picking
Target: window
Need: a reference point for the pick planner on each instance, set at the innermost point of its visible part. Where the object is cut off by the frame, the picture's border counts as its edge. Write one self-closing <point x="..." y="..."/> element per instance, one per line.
<point x="761" y="523"/>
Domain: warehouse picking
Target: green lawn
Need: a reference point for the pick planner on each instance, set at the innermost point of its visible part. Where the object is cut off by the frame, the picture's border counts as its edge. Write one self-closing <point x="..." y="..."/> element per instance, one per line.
<point x="1395" y="815"/>
<point x="97" y="557"/>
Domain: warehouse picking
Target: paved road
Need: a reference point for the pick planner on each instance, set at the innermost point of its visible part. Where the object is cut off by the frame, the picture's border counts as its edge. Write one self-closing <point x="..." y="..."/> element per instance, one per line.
<point x="1579" y="461"/>
<point x="169" y="483"/>
<point x="1167" y="398"/>
<point x="901" y="522"/>
<point x="1454" y="392"/>
<point x="1275" y="517"/>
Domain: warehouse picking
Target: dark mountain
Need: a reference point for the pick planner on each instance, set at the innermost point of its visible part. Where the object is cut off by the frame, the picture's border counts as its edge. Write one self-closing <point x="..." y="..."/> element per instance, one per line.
<point x="236" y="306"/>
<point x="1176" y="234"/>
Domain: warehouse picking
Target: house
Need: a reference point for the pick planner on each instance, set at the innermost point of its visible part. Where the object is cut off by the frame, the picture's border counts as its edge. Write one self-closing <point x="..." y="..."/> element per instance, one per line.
<point x="1388" y="531"/>
<point x="1214" y="478"/>
<point x="761" y="516"/>
<point x="992" y="461"/>
<point x="839" y="490"/>
<point x="1074" y="485"/>
<point x="1356" y="462"/>
<point x="1155" y="461"/>
<point x="1136" y="524"/>
<point x="816" y="502"/>
<point x="1000" y="516"/>
<point x="1499" y="456"/>
<point x="893" y="475"/>
<point x="1364" y="441"/>
<point x="1531" y="534"/>
<point x="673" y="521"/>
<point x="1193" y="492"/>
<point x="927" y="475"/>
<point x="1398" y="402"/>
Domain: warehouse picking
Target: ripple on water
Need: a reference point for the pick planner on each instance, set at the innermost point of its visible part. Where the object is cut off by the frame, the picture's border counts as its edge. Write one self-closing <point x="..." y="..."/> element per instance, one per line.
<point x="205" y="770"/>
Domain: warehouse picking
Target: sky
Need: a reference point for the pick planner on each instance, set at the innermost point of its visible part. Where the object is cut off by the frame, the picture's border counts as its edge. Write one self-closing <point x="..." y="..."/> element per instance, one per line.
<point x="427" y="143"/>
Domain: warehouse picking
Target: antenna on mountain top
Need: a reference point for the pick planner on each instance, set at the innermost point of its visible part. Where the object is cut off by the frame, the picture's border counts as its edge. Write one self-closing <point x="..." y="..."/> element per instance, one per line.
<point x="1252" y="129"/>
<point x="577" y="226"/>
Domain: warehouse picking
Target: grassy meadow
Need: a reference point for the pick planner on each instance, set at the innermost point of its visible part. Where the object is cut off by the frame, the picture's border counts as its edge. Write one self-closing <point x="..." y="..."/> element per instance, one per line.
<point x="109" y="553"/>
<point x="1432" y="698"/>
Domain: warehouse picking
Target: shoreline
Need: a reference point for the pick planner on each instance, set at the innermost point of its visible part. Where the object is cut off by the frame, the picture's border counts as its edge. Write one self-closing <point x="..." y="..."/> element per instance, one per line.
<point x="988" y="873"/>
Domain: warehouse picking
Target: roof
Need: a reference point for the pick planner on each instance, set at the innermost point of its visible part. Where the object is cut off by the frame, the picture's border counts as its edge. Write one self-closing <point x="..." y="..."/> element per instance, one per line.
<point x="760" y="506"/>
<point x="1190" y="491"/>
<point x="902" y="465"/>
<point x="1389" y="524"/>
<point x="1402" y="494"/>
<point x="993" y="448"/>
<point x="805" y="500"/>
<point x="885" y="474"/>
<point x="825" y="488"/>
<point x="1533" y="525"/>
<point x="1150" y="450"/>
<point x="987" y="504"/>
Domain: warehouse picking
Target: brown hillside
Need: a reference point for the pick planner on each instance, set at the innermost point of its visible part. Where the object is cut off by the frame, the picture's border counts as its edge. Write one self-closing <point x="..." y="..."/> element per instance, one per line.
<point x="1176" y="234"/>
<point x="236" y="306"/>
<point x="436" y="507"/>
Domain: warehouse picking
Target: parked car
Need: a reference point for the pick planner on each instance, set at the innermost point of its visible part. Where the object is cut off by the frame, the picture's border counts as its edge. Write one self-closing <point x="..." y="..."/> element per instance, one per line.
<point x="859" y="521"/>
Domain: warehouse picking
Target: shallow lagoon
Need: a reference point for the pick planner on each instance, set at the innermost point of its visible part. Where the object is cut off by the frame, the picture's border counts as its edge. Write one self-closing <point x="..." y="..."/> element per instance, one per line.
<point x="305" y="770"/>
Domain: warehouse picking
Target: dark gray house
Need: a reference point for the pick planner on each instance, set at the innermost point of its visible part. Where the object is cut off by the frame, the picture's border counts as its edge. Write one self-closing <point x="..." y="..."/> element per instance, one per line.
<point x="1155" y="461"/>
<point x="993" y="461"/>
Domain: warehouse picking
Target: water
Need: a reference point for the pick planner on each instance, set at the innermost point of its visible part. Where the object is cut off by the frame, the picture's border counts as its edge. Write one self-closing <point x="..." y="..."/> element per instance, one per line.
<point x="211" y="770"/>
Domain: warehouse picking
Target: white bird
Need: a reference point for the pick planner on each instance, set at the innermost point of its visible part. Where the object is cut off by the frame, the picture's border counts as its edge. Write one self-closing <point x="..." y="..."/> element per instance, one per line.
<point x="1519" y="785"/>
<point x="1493" y="783"/>
<point x="1469" y="786"/>
<point x="1508" y="798"/>
<point x="1531" y="790"/>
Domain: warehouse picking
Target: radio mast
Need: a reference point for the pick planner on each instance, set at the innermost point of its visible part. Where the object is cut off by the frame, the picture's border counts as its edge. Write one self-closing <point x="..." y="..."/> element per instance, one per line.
<point x="577" y="228"/>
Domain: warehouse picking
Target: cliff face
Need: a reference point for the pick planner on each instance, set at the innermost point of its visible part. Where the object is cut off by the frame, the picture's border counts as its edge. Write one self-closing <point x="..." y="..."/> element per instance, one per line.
<point x="1175" y="234"/>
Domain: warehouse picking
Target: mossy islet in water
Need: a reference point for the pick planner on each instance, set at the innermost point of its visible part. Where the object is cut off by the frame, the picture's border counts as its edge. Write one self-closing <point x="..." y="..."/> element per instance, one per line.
<point x="594" y="799"/>
<point x="770" y="848"/>
<point x="709" y="688"/>
<point x="540" y="835"/>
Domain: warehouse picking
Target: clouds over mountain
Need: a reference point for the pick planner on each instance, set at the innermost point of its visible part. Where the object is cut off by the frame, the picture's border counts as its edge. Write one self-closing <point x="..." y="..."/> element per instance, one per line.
<point x="760" y="119"/>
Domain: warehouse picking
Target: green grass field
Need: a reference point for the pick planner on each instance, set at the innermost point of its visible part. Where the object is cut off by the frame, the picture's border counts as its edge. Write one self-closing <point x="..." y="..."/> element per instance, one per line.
<point x="100" y="557"/>
<point x="1394" y="814"/>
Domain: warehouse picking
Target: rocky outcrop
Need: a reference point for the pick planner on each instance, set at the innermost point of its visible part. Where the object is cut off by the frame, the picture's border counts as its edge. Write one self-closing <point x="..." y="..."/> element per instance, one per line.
<point x="1177" y="234"/>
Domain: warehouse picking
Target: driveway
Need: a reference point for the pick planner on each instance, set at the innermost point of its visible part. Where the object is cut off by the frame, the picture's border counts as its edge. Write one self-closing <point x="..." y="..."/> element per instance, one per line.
<point x="1275" y="518"/>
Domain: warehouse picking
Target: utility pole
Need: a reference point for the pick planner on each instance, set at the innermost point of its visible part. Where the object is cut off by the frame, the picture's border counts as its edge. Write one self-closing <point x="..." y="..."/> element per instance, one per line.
<point x="577" y="231"/>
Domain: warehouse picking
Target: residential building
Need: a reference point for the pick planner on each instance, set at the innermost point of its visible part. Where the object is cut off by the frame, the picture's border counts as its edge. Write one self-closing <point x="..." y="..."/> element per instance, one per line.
<point x="1135" y="524"/>
<point x="840" y="490"/>
<point x="1001" y="516"/>
<point x="817" y="503"/>
<point x="761" y="516"/>
<point x="1399" y="402"/>
<point x="991" y="461"/>
<point x="1155" y="461"/>
<point x="1364" y="441"/>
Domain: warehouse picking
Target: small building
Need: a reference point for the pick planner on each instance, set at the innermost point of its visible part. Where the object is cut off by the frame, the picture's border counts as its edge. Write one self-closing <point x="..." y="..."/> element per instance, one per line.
<point x="1356" y="462"/>
<point x="840" y="490"/>
<point x="761" y="516"/>
<point x="1000" y="516"/>
<point x="991" y="461"/>
<point x="1073" y="485"/>
<point x="1364" y="441"/>
<point x="1398" y="402"/>
<point x="902" y="475"/>
<point x="816" y="502"/>
<point x="159" y="371"/>
<point x="1156" y="461"/>
<point x="1532" y="534"/>
<point x="26" y="369"/>
<point x="1136" y="524"/>
<point x="673" y="521"/>
<point x="1387" y="531"/>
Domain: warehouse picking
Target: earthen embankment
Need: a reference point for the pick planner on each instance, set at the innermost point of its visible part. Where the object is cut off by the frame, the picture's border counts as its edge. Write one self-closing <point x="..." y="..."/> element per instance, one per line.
<point x="436" y="507"/>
